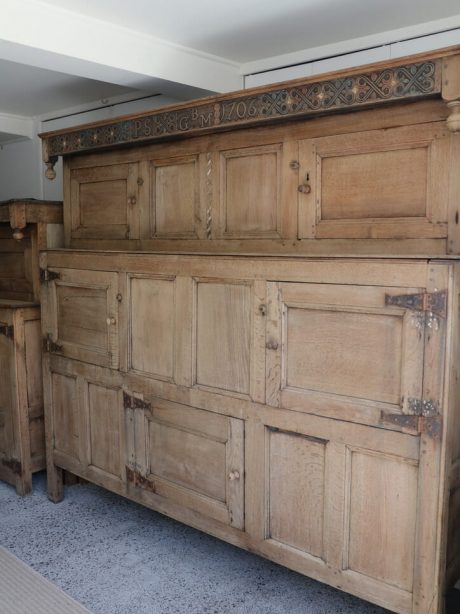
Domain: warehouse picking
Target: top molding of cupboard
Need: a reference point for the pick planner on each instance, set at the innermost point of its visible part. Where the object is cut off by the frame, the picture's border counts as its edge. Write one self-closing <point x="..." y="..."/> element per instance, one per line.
<point x="421" y="76"/>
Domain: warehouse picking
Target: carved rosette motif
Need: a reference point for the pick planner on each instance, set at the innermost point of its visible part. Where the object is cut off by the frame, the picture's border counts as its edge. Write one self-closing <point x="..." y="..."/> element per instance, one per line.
<point x="404" y="82"/>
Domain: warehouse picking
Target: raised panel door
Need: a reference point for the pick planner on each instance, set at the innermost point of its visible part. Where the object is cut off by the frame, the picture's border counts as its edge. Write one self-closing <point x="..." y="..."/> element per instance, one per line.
<point x="377" y="184"/>
<point x="189" y="457"/>
<point x="343" y="351"/>
<point x="83" y="316"/>
<point x="104" y="202"/>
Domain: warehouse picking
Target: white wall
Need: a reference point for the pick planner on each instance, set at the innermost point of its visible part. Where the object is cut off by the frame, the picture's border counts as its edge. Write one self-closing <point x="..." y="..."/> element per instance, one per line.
<point x="20" y="170"/>
<point x="21" y="167"/>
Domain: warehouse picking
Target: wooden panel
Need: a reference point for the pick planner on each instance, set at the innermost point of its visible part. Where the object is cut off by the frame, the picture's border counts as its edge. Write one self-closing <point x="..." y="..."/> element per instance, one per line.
<point x="104" y="201"/>
<point x="354" y="186"/>
<point x="382" y="517"/>
<point x="295" y="488"/>
<point x="84" y="315"/>
<point x="251" y="191"/>
<point x="175" y="197"/>
<point x="172" y="449"/>
<point x="352" y="354"/>
<point x="152" y="326"/>
<point x="66" y="425"/>
<point x="6" y="400"/>
<point x="196" y="459"/>
<point x="33" y="356"/>
<point x="105" y="429"/>
<point x="342" y="351"/>
<point x="223" y="336"/>
<point x="377" y="184"/>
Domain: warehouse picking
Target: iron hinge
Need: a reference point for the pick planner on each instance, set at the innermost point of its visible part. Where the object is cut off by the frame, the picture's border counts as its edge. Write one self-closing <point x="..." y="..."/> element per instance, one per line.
<point x="132" y="402"/>
<point x="51" y="346"/>
<point x="424" y="419"/>
<point x="139" y="480"/>
<point x="7" y="330"/>
<point x="430" y="302"/>
<point x="46" y="275"/>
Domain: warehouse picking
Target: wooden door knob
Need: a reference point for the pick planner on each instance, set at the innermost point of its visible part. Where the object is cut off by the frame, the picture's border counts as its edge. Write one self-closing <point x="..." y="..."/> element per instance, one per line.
<point x="111" y="321"/>
<point x="304" y="188"/>
<point x="272" y="345"/>
<point x="234" y="475"/>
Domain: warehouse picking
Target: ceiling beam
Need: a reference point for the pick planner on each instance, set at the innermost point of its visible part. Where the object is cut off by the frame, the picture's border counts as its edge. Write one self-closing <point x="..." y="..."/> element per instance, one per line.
<point x="17" y="127"/>
<point x="35" y="33"/>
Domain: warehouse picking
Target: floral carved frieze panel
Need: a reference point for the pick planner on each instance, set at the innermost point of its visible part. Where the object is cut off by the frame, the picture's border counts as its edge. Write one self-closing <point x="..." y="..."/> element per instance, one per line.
<point x="405" y="82"/>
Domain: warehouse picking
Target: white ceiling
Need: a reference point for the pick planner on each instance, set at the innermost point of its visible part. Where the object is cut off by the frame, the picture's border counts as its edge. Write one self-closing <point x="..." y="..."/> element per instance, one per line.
<point x="61" y="54"/>
<point x="248" y="30"/>
<point x="27" y="90"/>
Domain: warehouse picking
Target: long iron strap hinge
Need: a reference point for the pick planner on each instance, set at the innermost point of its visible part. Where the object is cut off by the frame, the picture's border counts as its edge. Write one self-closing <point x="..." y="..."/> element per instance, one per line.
<point x="132" y="402"/>
<point x="51" y="346"/>
<point x="430" y="302"/>
<point x="7" y="331"/>
<point x="46" y="275"/>
<point x="425" y="418"/>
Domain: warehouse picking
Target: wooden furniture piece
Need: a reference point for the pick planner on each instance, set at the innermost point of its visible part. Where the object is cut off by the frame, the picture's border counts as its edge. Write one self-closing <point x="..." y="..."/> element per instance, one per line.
<point x="26" y="226"/>
<point x="22" y="436"/>
<point x="278" y="365"/>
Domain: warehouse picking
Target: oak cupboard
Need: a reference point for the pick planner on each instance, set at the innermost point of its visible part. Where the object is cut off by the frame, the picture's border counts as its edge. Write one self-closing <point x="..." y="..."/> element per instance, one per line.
<point x="22" y="437"/>
<point x="254" y="327"/>
<point x="26" y="226"/>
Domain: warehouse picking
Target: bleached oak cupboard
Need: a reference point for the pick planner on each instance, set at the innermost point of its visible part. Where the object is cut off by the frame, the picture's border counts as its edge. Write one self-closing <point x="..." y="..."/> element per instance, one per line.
<point x="26" y="226"/>
<point x="255" y="325"/>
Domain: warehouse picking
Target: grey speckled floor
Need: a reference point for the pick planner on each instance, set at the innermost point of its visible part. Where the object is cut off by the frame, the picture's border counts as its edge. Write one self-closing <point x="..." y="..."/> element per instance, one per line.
<point x="116" y="557"/>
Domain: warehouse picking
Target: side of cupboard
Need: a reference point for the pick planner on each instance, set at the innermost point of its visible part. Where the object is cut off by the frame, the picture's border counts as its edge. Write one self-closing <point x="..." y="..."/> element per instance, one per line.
<point x="26" y="227"/>
<point x="254" y="326"/>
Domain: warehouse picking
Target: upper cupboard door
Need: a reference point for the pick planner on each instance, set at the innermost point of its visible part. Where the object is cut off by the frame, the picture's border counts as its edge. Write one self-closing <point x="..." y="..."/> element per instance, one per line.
<point x="257" y="192"/>
<point x="104" y="202"/>
<point x="343" y="351"/>
<point x="83" y="316"/>
<point x="377" y="184"/>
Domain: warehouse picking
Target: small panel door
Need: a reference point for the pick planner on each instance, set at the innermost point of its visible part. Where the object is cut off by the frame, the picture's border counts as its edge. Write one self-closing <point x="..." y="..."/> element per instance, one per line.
<point x="83" y="316"/>
<point x="190" y="457"/>
<point x="342" y="351"/>
<point x="176" y="199"/>
<point x="228" y="338"/>
<point x="104" y="202"/>
<point x="256" y="192"/>
<point x="377" y="184"/>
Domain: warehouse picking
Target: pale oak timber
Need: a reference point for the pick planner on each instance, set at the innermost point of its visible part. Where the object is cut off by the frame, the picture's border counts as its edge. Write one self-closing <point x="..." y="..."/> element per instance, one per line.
<point x="26" y="227"/>
<point x="260" y="336"/>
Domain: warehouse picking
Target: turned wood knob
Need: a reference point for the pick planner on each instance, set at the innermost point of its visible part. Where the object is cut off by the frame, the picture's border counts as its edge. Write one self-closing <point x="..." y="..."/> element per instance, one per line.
<point x="304" y="188"/>
<point x="111" y="321"/>
<point x="18" y="234"/>
<point x="272" y="345"/>
<point x="234" y="475"/>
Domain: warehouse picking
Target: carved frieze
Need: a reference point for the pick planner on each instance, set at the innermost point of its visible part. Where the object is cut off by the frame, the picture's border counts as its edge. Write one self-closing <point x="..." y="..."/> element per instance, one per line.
<point x="405" y="82"/>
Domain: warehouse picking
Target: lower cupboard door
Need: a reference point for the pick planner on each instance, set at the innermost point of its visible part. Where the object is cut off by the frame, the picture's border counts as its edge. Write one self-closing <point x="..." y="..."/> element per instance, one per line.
<point x="189" y="457"/>
<point x="338" y="502"/>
